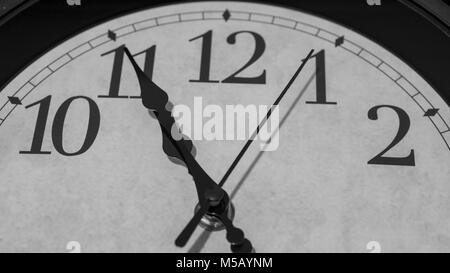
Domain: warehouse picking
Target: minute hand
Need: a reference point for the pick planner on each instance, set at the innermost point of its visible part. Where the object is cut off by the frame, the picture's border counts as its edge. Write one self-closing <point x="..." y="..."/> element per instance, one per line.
<point x="255" y="133"/>
<point x="155" y="99"/>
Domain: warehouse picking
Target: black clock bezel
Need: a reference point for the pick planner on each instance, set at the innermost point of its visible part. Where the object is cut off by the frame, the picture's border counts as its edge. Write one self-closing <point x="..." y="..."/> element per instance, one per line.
<point x="406" y="33"/>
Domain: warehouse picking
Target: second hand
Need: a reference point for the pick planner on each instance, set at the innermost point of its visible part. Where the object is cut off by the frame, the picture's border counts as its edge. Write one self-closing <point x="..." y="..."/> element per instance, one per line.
<point x="190" y="227"/>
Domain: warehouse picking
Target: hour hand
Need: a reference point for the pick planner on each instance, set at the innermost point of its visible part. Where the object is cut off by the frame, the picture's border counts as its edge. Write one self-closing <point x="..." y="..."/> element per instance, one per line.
<point x="169" y="149"/>
<point x="156" y="100"/>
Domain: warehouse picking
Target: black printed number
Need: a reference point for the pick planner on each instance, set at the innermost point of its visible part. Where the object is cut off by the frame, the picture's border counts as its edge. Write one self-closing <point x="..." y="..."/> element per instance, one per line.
<point x="58" y="126"/>
<point x="205" y="60"/>
<point x="404" y="121"/>
<point x="116" y="74"/>
<point x="321" y="90"/>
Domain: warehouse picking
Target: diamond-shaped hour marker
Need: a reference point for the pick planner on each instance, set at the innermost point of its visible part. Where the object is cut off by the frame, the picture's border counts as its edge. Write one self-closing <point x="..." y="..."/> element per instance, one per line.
<point x="14" y="100"/>
<point x="431" y="112"/>
<point x="339" y="41"/>
<point x="226" y="15"/>
<point x="112" y="35"/>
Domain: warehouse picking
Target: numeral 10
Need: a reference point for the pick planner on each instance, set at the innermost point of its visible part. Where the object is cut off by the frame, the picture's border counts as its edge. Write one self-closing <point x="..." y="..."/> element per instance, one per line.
<point x="58" y="126"/>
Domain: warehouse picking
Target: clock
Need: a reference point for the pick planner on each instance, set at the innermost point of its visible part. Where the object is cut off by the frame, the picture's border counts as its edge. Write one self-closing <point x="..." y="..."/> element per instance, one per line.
<point x="196" y="126"/>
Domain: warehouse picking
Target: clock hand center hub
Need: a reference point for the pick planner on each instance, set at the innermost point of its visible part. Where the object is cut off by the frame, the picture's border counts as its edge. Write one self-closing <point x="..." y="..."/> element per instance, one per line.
<point x="219" y="203"/>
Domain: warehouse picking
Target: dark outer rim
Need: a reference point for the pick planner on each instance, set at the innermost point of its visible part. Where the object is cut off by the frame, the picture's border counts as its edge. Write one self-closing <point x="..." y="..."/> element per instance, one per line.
<point x="404" y="32"/>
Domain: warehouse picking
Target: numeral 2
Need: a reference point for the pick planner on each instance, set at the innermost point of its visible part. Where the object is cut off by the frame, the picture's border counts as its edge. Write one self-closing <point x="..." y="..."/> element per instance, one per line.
<point x="402" y="131"/>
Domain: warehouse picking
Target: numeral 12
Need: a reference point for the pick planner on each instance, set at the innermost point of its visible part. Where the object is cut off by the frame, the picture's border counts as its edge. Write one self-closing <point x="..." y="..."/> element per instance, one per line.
<point x="205" y="61"/>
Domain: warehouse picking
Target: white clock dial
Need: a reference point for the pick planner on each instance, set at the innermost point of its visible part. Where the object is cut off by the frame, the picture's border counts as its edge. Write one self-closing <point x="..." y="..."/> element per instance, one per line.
<point x="81" y="160"/>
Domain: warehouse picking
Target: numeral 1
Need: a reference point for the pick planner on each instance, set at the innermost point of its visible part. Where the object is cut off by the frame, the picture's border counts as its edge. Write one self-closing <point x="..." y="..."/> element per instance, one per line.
<point x="39" y="130"/>
<point x="321" y="90"/>
<point x="205" y="60"/>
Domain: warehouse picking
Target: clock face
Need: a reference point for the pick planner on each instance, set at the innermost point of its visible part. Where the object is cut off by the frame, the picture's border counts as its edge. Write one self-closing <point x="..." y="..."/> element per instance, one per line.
<point x="360" y="157"/>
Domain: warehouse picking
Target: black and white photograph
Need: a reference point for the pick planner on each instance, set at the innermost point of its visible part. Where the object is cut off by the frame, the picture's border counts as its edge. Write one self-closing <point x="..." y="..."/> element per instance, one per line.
<point x="229" y="127"/>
